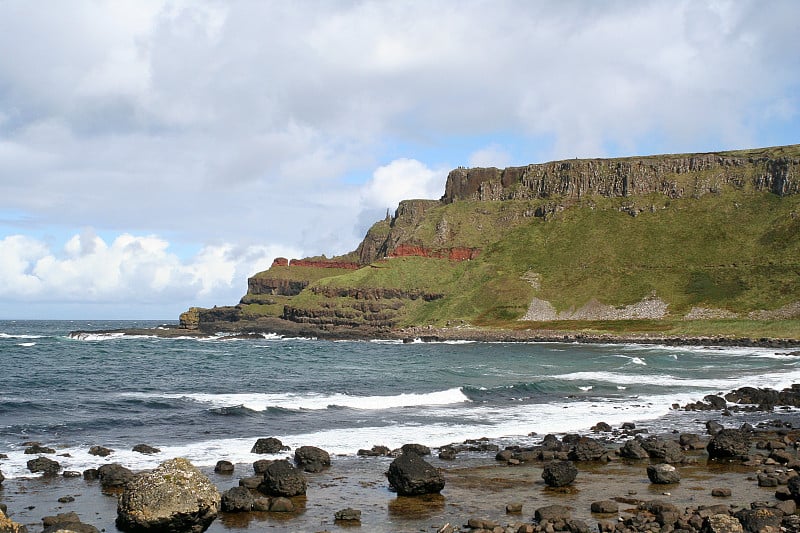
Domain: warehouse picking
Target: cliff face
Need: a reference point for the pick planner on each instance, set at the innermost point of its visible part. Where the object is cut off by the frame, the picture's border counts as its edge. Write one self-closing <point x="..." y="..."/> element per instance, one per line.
<point x="645" y="237"/>
<point x="675" y="176"/>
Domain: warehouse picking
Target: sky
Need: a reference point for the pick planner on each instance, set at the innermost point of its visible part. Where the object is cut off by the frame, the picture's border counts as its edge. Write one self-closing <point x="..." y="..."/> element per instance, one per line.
<point x="155" y="153"/>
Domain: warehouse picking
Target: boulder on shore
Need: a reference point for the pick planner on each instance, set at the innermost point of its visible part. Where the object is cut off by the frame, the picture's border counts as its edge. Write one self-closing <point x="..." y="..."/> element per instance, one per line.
<point x="559" y="473"/>
<point x="663" y="474"/>
<point x="268" y="445"/>
<point x="729" y="444"/>
<point x="410" y="475"/>
<point x="175" y="496"/>
<point x="114" y="475"/>
<point x="282" y="479"/>
<point x="311" y="459"/>
<point x="46" y="466"/>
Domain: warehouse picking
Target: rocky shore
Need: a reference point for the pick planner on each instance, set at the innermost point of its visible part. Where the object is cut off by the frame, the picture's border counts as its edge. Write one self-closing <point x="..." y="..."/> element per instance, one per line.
<point x="728" y="476"/>
<point x="430" y="334"/>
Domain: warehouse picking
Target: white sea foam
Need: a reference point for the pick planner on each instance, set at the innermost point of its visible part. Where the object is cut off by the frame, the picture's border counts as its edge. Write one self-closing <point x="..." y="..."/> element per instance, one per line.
<point x="313" y="401"/>
<point x="446" y="426"/>
<point x="26" y="344"/>
<point x="19" y="336"/>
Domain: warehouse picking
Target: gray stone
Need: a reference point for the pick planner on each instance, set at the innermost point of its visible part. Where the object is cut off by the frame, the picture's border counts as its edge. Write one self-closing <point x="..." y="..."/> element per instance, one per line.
<point x="605" y="507"/>
<point x="409" y="475"/>
<point x="729" y="444"/>
<point x="46" y="466"/>
<point x="311" y="459"/>
<point x="348" y="515"/>
<point x="559" y="473"/>
<point x="269" y="445"/>
<point x="175" y="496"/>
<point x="282" y="479"/>
<point x="281" y="505"/>
<point x="114" y="475"/>
<point x="663" y="474"/>
<point x="237" y="500"/>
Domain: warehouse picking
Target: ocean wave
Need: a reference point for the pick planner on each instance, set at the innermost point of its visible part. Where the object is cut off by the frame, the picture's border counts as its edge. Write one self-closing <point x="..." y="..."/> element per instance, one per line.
<point x="315" y="401"/>
<point x="19" y="336"/>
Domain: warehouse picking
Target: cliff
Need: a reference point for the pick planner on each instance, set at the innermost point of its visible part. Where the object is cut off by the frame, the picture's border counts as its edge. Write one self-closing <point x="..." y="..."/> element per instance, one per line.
<point x="688" y="237"/>
<point x="675" y="176"/>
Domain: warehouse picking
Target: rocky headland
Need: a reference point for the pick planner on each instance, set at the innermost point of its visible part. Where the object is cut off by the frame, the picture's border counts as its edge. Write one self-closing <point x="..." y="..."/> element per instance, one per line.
<point x="687" y="246"/>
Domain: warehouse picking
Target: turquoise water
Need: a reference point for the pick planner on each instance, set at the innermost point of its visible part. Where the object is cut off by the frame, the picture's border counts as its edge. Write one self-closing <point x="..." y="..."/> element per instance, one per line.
<point x="211" y="398"/>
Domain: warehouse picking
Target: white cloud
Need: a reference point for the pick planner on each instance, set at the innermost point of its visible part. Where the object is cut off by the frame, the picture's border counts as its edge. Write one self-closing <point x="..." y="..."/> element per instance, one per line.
<point x="490" y="156"/>
<point x="402" y="179"/>
<point x="130" y="270"/>
<point x="240" y="122"/>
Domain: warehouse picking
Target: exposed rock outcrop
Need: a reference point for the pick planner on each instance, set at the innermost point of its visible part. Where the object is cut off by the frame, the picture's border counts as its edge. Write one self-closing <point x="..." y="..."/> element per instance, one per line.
<point x="175" y="496"/>
<point x="675" y="176"/>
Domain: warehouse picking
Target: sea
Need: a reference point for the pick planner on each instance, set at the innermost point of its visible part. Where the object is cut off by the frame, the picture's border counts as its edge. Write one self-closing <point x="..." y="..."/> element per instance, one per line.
<point x="211" y="398"/>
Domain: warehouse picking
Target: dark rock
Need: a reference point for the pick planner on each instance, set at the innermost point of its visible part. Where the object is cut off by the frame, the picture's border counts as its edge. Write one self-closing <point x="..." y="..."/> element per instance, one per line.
<point x="578" y="526"/>
<point x="174" y="497"/>
<point x="251" y="482"/>
<point x="2" y="477"/>
<point x="729" y="444"/>
<point x="605" y="507"/>
<point x="282" y="479"/>
<point x="504" y="455"/>
<point x="269" y="445"/>
<point x="552" y="513"/>
<point x="717" y="402"/>
<point x="410" y="475"/>
<point x="66" y="499"/>
<point x="666" y="451"/>
<point x="260" y="466"/>
<point x="447" y="453"/>
<point x="36" y="448"/>
<point x="587" y="449"/>
<point x="114" y="475"/>
<point x="66" y="523"/>
<point x="237" y="500"/>
<point x="224" y="467"/>
<point x="418" y="449"/>
<point x="146" y="449"/>
<point x="663" y="474"/>
<point x="348" y="515"/>
<point x="722" y="523"/>
<point x="71" y="527"/>
<point x="281" y="505"/>
<point x="754" y="520"/>
<point x="311" y="459"/>
<point x="691" y="441"/>
<point x="61" y="518"/>
<point x="376" y="451"/>
<point x="514" y="508"/>
<point x="551" y="442"/>
<point x="713" y="427"/>
<point x="100" y="451"/>
<point x="628" y="426"/>
<point x="794" y="487"/>
<point x="261" y="503"/>
<point x="721" y="492"/>
<point x="601" y="427"/>
<point x="481" y="524"/>
<point x="559" y="473"/>
<point x="632" y="449"/>
<point x="46" y="466"/>
<point x="90" y="474"/>
<point x="70" y="474"/>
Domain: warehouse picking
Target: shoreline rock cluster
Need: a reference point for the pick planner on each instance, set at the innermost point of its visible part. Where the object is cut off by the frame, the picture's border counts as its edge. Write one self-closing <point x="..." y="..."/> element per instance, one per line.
<point x="176" y="496"/>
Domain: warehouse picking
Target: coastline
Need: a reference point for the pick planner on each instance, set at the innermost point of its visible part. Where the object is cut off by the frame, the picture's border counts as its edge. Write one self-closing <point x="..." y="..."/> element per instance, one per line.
<point x="259" y="328"/>
<point x="479" y="488"/>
